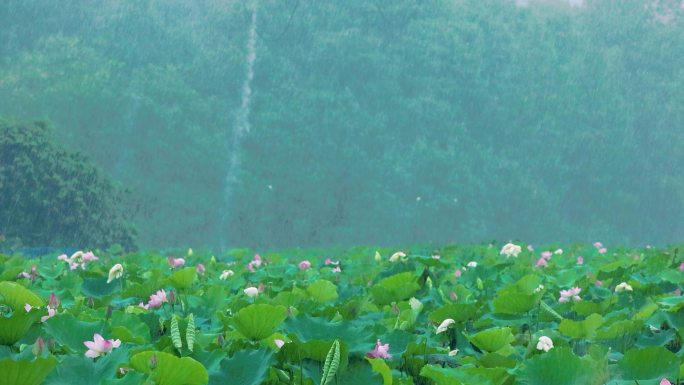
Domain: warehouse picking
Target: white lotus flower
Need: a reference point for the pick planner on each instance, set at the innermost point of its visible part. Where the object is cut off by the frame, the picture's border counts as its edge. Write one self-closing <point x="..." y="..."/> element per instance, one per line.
<point x="115" y="272"/>
<point x="378" y="257"/>
<point x="624" y="286"/>
<point x="251" y="291"/>
<point x="545" y="343"/>
<point x="472" y="264"/>
<point x="510" y="250"/>
<point x="416" y="305"/>
<point x="445" y="325"/>
<point x="226" y="274"/>
<point x="453" y="353"/>
<point x="395" y="257"/>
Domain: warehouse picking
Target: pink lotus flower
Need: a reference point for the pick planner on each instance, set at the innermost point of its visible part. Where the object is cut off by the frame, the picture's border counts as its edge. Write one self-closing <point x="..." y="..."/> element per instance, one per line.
<point x="603" y="250"/>
<point x="598" y="245"/>
<point x="598" y="283"/>
<point x="664" y="381"/>
<point x="31" y="275"/>
<point x="78" y="259"/>
<point x="580" y="260"/>
<point x="176" y="262"/>
<point x="546" y="255"/>
<point x="51" y="313"/>
<point x="200" y="269"/>
<point x="53" y="301"/>
<point x="380" y="351"/>
<point x="541" y="262"/>
<point x="329" y="261"/>
<point x="256" y="262"/>
<point x="303" y="265"/>
<point x="279" y="343"/>
<point x="337" y="269"/>
<point x="681" y="266"/>
<point x="156" y="300"/>
<point x="571" y="294"/>
<point x="100" y="346"/>
<point x="89" y="257"/>
<point x="458" y="273"/>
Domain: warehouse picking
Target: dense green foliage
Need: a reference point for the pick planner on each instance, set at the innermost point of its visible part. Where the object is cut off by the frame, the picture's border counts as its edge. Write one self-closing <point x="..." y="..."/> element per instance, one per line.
<point x="372" y="121"/>
<point x="457" y="315"/>
<point x="53" y="196"/>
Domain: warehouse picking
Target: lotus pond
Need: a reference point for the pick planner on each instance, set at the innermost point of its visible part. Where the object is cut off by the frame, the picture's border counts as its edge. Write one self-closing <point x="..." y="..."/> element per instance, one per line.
<point x="477" y="314"/>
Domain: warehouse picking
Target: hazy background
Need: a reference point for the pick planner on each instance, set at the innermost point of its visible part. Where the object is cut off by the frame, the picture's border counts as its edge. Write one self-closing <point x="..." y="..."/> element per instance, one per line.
<point x="366" y="121"/>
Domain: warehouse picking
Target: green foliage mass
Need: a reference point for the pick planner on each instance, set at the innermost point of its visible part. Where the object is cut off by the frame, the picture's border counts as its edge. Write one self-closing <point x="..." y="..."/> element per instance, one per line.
<point x="50" y="195"/>
<point x="211" y="332"/>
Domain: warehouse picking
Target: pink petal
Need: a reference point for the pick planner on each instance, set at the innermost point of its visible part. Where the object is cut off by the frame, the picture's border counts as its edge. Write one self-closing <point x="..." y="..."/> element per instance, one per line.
<point x="90" y="345"/>
<point x="92" y="354"/>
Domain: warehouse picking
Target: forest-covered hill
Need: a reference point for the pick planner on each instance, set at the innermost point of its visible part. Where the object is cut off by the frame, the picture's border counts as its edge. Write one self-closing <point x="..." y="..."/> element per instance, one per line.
<point x="371" y="121"/>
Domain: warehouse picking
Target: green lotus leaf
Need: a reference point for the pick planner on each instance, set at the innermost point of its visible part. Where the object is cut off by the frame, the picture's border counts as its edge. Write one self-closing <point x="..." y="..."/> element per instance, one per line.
<point x="492" y="340"/>
<point x="581" y="329"/>
<point x="15" y="326"/>
<point x="98" y="287"/>
<point x="457" y="376"/>
<point x="619" y="329"/>
<point x="459" y="312"/>
<point x="672" y="304"/>
<point x="71" y="332"/>
<point x="519" y="297"/>
<point x="380" y="366"/>
<point x="16" y="296"/>
<point x="129" y="328"/>
<point x="183" y="278"/>
<point x="246" y="367"/>
<point x="81" y="370"/>
<point x="653" y="362"/>
<point x="322" y="291"/>
<point x="26" y="372"/>
<point x="259" y="321"/>
<point x="560" y="366"/>
<point x="169" y="369"/>
<point x="395" y="288"/>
